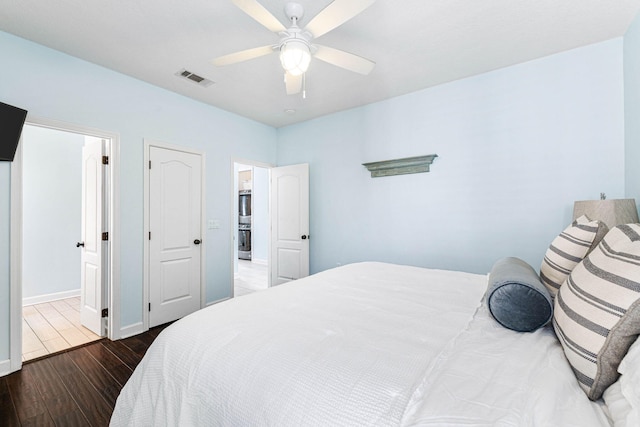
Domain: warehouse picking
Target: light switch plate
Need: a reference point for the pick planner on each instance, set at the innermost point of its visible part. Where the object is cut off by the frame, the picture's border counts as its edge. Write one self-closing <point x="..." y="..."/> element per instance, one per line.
<point x="213" y="224"/>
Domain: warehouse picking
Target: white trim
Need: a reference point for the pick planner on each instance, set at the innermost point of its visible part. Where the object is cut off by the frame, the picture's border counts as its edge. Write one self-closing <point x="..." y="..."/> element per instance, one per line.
<point x="203" y="232"/>
<point x="233" y="213"/>
<point x="131" y="330"/>
<point x="39" y="299"/>
<point x="113" y="319"/>
<point x="259" y="261"/>
<point x="148" y="143"/>
<point x="5" y="367"/>
<point x="15" y="267"/>
<point x="145" y="234"/>
<point x="15" y="315"/>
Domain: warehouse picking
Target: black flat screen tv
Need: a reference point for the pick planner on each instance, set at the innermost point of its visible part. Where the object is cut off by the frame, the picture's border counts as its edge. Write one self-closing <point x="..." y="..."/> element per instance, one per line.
<point x="11" y="123"/>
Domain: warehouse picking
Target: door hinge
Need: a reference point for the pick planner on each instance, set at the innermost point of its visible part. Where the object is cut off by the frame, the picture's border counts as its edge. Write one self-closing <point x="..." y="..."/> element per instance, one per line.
<point x="105" y="236"/>
<point x="149" y="306"/>
<point x="149" y="164"/>
<point x="149" y="235"/>
<point x="105" y="312"/>
<point x="105" y="160"/>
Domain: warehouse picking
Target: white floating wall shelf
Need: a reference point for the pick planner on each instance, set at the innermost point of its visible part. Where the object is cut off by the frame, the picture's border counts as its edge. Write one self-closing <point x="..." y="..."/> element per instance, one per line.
<point x="419" y="164"/>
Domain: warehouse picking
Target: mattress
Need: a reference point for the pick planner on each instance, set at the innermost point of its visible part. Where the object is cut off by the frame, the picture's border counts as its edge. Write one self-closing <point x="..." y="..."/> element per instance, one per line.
<point x="363" y="344"/>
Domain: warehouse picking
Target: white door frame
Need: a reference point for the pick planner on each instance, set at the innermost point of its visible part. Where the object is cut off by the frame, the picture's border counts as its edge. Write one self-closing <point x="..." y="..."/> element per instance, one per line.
<point x="15" y="273"/>
<point x="148" y="143"/>
<point x="232" y="213"/>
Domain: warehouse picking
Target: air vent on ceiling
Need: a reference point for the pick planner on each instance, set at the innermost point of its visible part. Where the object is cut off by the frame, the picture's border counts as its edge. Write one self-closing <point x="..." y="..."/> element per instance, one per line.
<point x="199" y="80"/>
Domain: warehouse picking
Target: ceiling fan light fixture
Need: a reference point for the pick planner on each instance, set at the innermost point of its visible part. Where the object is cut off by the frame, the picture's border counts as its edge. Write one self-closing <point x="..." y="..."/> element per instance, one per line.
<point x="295" y="56"/>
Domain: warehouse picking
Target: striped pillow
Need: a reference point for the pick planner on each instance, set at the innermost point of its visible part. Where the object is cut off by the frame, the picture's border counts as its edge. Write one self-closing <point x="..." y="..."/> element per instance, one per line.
<point x="597" y="310"/>
<point x="568" y="249"/>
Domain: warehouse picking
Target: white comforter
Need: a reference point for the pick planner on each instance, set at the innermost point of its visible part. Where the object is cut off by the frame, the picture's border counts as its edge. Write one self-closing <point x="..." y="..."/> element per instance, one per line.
<point x="491" y="376"/>
<point x="363" y="344"/>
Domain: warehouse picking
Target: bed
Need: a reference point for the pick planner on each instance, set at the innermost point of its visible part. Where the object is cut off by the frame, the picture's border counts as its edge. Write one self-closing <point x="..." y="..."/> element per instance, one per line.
<point x="377" y="344"/>
<point x="369" y="343"/>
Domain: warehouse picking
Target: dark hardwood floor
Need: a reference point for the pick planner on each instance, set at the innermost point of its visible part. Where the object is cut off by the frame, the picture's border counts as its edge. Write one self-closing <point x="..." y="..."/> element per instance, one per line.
<point x="78" y="387"/>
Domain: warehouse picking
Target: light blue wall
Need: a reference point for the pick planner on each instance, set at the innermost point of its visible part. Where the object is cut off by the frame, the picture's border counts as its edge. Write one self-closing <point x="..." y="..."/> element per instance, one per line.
<point x="632" y="109"/>
<point x="51" y="203"/>
<point x="516" y="148"/>
<point x="53" y="85"/>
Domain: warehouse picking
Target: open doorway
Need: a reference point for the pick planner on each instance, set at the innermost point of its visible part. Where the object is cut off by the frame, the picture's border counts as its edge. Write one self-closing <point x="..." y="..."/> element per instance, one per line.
<point x="110" y="277"/>
<point x="279" y="225"/>
<point x="62" y="288"/>
<point x="251" y="228"/>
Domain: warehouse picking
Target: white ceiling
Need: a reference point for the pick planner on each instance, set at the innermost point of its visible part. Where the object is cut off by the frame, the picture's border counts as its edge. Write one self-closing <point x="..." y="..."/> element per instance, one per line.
<point x="415" y="44"/>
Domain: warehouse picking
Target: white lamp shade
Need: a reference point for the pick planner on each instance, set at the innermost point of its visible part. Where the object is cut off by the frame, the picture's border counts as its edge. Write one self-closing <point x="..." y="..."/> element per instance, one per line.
<point x="295" y="57"/>
<point x="612" y="212"/>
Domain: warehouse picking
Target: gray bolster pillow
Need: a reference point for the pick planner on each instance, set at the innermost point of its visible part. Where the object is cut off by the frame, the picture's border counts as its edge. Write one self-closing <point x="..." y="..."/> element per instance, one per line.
<point x="516" y="297"/>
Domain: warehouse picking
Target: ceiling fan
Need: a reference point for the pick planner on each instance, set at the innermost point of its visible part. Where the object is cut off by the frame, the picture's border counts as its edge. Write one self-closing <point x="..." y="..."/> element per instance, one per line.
<point x="295" y="45"/>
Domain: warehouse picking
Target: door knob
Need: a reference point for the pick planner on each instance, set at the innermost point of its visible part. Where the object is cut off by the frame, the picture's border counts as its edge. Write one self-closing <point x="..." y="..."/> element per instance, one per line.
<point x="305" y="237"/>
<point x="197" y="241"/>
<point x="79" y="244"/>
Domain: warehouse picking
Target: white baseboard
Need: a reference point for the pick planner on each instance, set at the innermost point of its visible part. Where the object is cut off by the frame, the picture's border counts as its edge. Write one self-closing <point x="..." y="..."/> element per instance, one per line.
<point x="260" y="261"/>
<point x="39" y="299"/>
<point x="5" y="367"/>
<point x="131" y="330"/>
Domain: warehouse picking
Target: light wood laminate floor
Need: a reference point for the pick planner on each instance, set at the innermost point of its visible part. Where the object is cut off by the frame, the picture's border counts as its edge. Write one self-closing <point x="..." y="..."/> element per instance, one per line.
<point x="51" y="327"/>
<point x="252" y="277"/>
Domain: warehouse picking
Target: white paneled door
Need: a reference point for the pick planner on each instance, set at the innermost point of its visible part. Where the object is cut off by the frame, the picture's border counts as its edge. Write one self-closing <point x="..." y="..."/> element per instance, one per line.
<point x="91" y="296"/>
<point x="175" y="239"/>
<point x="289" y="223"/>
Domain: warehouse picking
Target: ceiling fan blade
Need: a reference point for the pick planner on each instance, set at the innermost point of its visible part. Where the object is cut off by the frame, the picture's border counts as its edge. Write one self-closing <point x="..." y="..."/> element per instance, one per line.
<point x="345" y="60"/>
<point x="260" y="14"/>
<point x="243" y="55"/>
<point x="336" y="14"/>
<point x="293" y="83"/>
